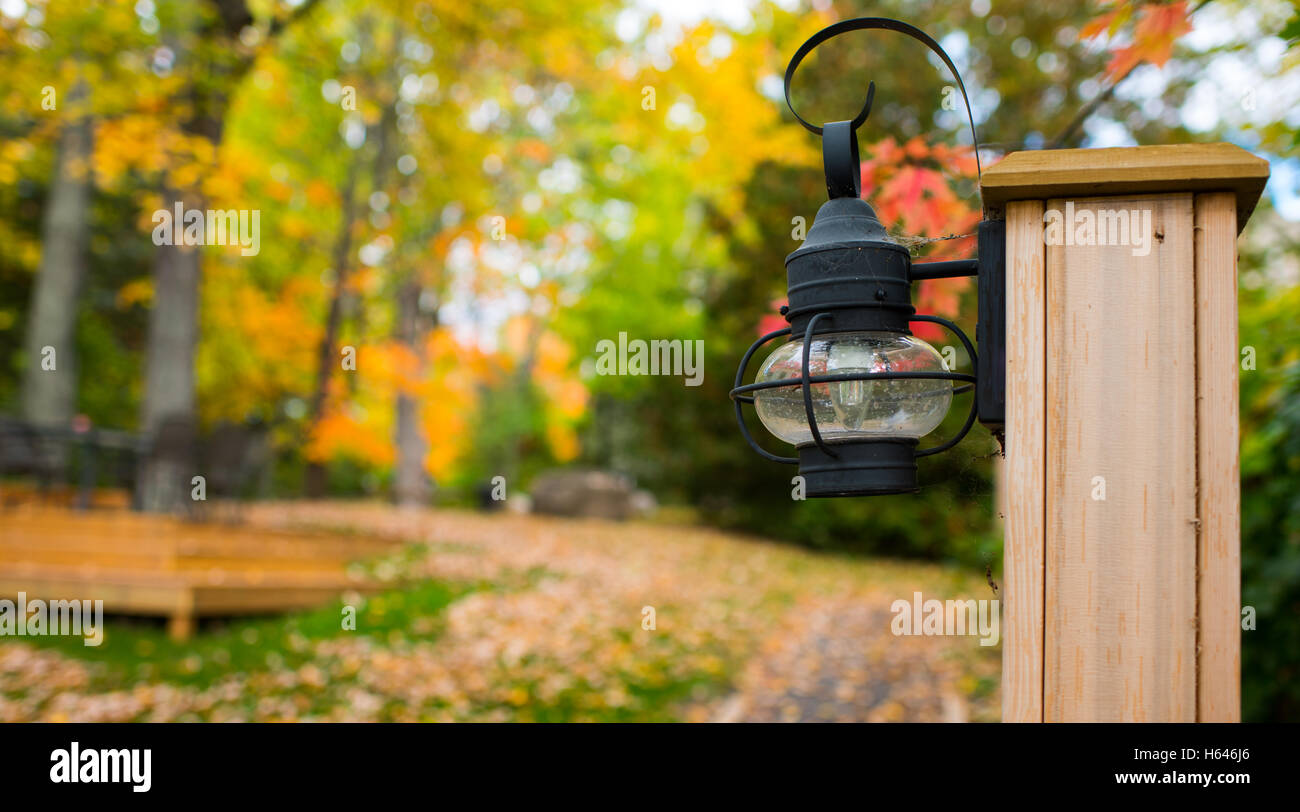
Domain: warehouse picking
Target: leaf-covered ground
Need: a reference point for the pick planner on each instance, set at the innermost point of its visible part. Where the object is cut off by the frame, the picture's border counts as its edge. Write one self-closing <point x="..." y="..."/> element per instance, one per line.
<point x="527" y="618"/>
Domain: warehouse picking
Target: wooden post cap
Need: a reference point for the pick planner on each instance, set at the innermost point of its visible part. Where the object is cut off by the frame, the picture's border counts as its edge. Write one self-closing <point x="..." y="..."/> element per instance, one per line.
<point x="1042" y="174"/>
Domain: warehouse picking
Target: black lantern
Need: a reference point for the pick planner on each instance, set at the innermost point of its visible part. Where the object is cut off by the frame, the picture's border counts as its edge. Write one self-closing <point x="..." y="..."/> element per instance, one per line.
<point x="852" y="388"/>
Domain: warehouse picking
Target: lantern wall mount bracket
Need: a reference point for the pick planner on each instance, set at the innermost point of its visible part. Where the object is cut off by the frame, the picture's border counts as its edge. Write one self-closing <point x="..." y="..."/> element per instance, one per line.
<point x="850" y="276"/>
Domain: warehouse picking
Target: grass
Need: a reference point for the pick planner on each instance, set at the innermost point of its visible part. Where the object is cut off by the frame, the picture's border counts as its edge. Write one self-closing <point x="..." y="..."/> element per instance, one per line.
<point x="137" y="650"/>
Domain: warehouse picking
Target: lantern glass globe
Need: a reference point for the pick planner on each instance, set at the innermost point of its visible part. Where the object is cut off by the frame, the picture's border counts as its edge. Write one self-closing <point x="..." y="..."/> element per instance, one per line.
<point x="901" y="408"/>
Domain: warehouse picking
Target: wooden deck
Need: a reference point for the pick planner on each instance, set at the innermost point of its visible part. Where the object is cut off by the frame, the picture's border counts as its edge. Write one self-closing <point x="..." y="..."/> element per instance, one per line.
<point x="152" y="565"/>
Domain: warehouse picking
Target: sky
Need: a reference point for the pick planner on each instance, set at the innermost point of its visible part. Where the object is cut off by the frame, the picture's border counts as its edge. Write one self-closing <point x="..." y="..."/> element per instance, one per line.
<point x="733" y="12"/>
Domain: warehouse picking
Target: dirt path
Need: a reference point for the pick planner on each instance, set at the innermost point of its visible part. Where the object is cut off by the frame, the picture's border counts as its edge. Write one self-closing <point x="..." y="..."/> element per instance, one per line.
<point x="836" y="661"/>
<point x="828" y="657"/>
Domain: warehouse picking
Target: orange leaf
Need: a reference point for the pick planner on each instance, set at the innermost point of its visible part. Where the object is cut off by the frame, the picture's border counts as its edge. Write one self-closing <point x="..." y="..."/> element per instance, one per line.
<point x="1157" y="28"/>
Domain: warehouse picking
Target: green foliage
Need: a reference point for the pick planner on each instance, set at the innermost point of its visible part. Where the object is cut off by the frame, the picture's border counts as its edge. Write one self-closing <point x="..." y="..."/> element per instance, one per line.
<point x="509" y="441"/>
<point x="1270" y="490"/>
<point x="1271" y="556"/>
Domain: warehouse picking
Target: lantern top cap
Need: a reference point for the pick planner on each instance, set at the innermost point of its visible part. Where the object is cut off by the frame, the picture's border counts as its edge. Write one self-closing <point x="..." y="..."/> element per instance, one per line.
<point x="1044" y="174"/>
<point x="846" y="222"/>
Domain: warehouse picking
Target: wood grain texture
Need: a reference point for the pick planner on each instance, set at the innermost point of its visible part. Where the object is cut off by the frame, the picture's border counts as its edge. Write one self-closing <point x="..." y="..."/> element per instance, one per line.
<point x="1218" y="465"/>
<point x="1023" y="479"/>
<point x="1120" y="581"/>
<point x="141" y="564"/>
<point x="1128" y="171"/>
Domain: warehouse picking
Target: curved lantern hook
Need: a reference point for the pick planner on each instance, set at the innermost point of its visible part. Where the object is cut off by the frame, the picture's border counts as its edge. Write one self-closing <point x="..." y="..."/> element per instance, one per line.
<point x="834" y="154"/>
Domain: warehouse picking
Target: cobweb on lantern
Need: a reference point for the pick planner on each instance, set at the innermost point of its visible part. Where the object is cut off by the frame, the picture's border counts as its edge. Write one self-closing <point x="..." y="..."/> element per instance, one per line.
<point x="912" y="242"/>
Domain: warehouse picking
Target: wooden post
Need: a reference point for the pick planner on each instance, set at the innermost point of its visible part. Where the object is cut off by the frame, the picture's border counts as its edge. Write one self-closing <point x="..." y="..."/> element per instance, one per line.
<point x="181" y="622"/>
<point x="1122" y="501"/>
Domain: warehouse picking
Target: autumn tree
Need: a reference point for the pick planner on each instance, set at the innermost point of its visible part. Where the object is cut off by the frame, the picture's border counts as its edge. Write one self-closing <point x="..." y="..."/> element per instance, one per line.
<point x="55" y="102"/>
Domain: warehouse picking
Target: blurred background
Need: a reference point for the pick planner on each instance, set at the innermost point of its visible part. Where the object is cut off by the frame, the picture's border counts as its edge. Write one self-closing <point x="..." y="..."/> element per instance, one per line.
<point x="384" y="406"/>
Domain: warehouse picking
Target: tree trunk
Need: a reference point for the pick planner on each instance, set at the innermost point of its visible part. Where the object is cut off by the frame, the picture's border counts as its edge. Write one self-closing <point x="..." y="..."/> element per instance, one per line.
<point x="168" y="416"/>
<point x="50" y="394"/>
<point x="169" y="396"/>
<point x="326" y="358"/>
<point x="411" y="484"/>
